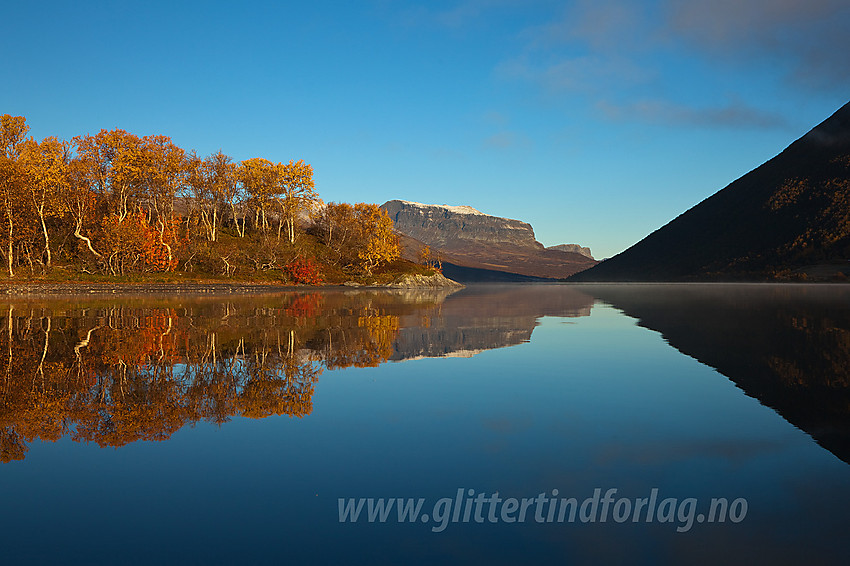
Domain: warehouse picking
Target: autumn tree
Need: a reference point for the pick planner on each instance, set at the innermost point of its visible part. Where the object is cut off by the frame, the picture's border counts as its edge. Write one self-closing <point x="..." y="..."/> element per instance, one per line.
<point x="287" y="187"/>
<point x="334" y="224"/>
<point x="10" y="188"/>
<point x="428" y="259"/>
<point x="10" y="183"/>
<point x="378" y="243"/>
<point x="160" y="171"/>
<point x="296" y="193"/>
<point x="133" y="245"/>
<point x="361" y="235"/>
<point x="112" y="164"/>
<point x="13" y="130"/>
<point x="213" y="183"/>
<point x="259" y="179"/>
<point x="80" y="201"/>
<point x="46" y="171"/>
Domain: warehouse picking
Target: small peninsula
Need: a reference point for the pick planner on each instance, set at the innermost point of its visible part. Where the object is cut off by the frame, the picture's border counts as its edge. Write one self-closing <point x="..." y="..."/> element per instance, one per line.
<point x="114" y="209"/>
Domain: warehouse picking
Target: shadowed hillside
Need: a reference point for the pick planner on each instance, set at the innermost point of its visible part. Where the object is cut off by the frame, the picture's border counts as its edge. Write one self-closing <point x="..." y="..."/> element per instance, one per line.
<point x="791" y="214"/>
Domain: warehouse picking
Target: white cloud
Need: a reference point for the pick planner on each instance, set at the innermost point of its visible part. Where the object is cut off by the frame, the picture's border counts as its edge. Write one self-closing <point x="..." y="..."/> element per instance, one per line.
<point x="591" y="74"/>
<point x="505" y="139"/>
<point x="458" y="15"/>
<point x="735" y="114"/>
<point x="809" y="37"/>
<point x="620" y="50"/>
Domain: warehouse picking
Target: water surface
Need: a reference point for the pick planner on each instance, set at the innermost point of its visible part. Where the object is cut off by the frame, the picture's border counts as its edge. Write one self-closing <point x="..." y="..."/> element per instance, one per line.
<point x="225" y="430"/>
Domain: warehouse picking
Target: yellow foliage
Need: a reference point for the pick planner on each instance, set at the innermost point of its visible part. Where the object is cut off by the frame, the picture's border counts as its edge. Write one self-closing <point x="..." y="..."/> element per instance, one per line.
<point x="381" y="243"/>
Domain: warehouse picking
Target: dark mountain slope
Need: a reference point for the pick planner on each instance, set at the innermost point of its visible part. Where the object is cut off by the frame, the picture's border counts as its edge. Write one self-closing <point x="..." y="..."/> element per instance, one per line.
<point x="791" y="212"/>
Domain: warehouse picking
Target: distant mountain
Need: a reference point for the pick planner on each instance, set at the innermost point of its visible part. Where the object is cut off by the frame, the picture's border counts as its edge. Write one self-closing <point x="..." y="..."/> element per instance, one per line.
<point x="449" y="226"/>
<point x="786" y="219"/>
<point x="478" y="247"/>
<point x="574" y="248"/>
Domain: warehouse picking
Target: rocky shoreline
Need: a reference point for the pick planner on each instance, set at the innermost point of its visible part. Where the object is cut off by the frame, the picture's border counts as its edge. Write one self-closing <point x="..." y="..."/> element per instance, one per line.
<point x="436" y="281"/>
<point x="37" y="289"/>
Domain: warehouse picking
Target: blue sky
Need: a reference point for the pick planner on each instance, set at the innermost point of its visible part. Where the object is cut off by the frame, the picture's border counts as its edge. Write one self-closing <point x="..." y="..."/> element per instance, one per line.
<point x="595" y="121"/>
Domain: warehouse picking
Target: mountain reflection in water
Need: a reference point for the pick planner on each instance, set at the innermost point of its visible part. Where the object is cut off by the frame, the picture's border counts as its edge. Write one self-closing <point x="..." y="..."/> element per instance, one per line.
<point x="786" y="345"/>
<point x="140" y="369"/>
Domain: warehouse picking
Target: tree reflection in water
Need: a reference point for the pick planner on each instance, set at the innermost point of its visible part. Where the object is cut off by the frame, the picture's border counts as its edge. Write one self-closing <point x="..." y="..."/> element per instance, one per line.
<point x="115" y="374"/>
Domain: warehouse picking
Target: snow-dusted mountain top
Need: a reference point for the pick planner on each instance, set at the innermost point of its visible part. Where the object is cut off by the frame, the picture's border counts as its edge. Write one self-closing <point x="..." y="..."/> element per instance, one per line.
<point x="450" y="226"/>
<point x="468" y="238"/>
<point x="463" y="209"/>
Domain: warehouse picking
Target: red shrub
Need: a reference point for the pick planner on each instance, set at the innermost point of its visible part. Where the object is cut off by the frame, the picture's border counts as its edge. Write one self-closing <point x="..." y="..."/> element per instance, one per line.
<point x="304" y="271"/>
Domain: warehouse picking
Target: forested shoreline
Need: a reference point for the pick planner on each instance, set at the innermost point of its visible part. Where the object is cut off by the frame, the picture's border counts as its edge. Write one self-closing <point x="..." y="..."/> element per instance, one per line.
<point x="116" y="205"/>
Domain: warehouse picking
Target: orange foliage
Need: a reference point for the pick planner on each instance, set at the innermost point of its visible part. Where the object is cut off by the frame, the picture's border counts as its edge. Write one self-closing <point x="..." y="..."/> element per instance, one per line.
<point x="133" y="240"/>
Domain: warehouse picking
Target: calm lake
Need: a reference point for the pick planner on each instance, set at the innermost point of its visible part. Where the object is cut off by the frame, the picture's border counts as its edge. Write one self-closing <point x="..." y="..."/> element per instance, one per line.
<point x="500" y="424"/>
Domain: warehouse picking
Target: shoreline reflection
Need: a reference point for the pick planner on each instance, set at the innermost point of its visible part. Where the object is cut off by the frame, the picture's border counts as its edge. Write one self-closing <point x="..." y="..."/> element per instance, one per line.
<point x="121" y="371"/>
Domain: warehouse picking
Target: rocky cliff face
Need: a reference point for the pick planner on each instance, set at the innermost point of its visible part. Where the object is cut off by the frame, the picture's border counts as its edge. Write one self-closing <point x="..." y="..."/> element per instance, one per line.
<point x="572" y="248"/>
<point x="478" y="247"/>
<point x="447" y="227"/>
